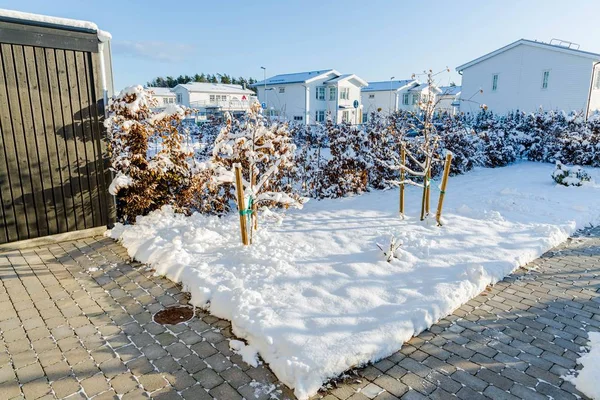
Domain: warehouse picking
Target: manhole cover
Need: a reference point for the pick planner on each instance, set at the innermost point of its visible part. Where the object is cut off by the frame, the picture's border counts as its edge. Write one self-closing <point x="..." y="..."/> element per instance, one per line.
<point x="173" y="315"/>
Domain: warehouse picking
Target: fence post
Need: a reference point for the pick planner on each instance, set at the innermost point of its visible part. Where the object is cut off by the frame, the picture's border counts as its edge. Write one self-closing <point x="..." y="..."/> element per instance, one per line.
<point x="438" y="214"/>
<point x="241" y="206"/>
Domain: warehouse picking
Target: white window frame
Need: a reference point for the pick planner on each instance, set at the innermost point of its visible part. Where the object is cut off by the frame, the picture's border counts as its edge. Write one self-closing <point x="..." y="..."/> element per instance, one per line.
<point x="495" y="78"/>
<point x="320" y="116"/>
<point x="345" y="116"/>
<point x="344" y="93"/>
<point x="298" y="118"/>
<point x="597" y="83"/>
<point x="545" y="79"/>
<point x="332" y="93"/>
<point x="405" y="98"/>
<point x="416" y="97"/>
<point x="320" y="93"/>
<point x="281" y="89"/>
<point x="211" y="98"/>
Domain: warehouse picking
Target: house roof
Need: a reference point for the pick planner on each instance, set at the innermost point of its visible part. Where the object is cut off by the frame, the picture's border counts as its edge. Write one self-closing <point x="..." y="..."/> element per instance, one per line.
<point x="450" y="90"/>
<point x="206" y="87"/>
<point x="161" y="91"/>
<point x="386" y="85"/>
<point x="526" y="42"/>
<point x="52" y="22"/>
<point x="422" y="86"/>
<point x="298" y="77"/>
<point x="345" y="77"/>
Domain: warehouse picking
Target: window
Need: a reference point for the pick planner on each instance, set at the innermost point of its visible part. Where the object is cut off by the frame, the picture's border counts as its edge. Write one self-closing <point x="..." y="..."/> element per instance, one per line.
<point x="416" y="98"/>
<point x="332" y="95"/>
<point x="320" y="93"/>
<point x="494" y="82"/>
<point x="365" y="117"/>
<point x="344" y="93"/>
<point x="345" y="116"/>
<point x="298" y="118"/>
<point x="405" y="99"/>
<point x="371" y="96"/>
<point x="223" y="98"/>
<point x="212" y="98"/>
<point x="179" y="98"/>
<point x="597" y="84"/>
<point x="281" y="90"/>
<point x="545" y="78"/>
<point x="320" y="116"/>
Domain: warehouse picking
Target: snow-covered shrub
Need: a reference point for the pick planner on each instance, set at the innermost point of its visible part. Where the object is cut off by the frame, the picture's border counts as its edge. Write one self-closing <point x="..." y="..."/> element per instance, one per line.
<point x="309" y="158"/>
<point x="381" y="151"/>
<point x="569" y="176"/>
<point x="464" y="144"/>
<point x="266" y="155"/>
<point x="144" y="183"/>
<point x="346" y="171"/>
<point x="497" y="148"/>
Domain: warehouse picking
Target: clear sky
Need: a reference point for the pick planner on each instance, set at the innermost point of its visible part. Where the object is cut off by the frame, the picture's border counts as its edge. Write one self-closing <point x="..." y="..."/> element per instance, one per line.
<point x="374" y="39"/>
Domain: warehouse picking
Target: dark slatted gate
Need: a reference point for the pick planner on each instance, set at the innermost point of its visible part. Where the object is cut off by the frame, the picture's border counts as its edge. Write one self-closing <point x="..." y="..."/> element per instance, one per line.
<point x="53" y="166"/>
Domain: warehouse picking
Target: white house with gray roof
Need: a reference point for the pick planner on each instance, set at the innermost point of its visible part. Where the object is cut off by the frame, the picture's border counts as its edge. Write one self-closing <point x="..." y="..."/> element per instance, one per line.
<point x="528" y="75"/>
<point x="390" y="96"/>
<point x="447" y="100"/>
<point x="214" y="98"/>
<point x="163" y="95"/>
<point x="307" y="97"/>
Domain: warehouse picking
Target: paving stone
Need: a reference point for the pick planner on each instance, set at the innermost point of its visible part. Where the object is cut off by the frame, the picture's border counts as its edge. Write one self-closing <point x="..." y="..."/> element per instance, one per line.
<point x="218" y="362"/>
<point x="392" y="385"/>
<point x="30" y="373"/>
<point x="208" y="378"/>
<point x="417" y="383"/>
<point x="496" y="393"/>
<point x="197" y="392"/>
<point x="123" y="383"/>
<point x="178" y="350"/>
<point x="154" y="351"/>
<point x="65" y="387"/>
<point x="225" y="391"/>
<point x="36" y="389"/>
<point x="166" y="364"/>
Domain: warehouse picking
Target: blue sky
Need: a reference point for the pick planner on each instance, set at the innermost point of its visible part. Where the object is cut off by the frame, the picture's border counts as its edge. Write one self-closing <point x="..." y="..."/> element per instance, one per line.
<point x="374" y="39"/>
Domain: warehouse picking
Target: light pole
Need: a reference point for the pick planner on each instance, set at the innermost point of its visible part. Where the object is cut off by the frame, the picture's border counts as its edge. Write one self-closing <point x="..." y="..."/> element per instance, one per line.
<point x="391" y="80"/>
<point x="265" y="86"/>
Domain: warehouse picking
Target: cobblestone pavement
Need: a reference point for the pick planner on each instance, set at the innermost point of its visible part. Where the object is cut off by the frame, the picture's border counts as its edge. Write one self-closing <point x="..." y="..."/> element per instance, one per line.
<point x="76" y="322"/>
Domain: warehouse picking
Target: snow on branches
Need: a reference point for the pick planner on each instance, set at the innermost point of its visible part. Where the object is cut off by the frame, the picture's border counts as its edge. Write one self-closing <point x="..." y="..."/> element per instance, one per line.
<point x="266" y="155"/>
<point x="143" y="183"/>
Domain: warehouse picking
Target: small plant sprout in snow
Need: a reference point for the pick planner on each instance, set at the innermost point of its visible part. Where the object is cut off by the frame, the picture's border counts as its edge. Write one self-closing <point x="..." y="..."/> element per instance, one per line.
<point x="390" y="251"/>
<point x="569" y="176"/>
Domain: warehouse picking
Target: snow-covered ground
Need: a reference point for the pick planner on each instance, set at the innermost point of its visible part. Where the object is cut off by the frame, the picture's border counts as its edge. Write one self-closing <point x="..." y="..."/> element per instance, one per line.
<point x="586" y="380"/>
<point x="315" y="295"/>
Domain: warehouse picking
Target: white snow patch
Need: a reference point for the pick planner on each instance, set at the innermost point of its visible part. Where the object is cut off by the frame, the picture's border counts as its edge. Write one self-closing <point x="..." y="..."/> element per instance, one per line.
<point x="249" y="353"/>
<point x="586" y="380"/>
<point x="119" y="182"/>
<point x="315" y="296"/>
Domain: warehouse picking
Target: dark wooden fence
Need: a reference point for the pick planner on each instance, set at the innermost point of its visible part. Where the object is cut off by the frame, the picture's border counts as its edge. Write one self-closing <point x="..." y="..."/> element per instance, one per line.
<point x="53" y="167"/>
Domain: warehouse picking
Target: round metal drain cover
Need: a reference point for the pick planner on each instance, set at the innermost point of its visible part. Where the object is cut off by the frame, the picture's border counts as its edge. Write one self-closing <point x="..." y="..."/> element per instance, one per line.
<point x="173" y="315"/>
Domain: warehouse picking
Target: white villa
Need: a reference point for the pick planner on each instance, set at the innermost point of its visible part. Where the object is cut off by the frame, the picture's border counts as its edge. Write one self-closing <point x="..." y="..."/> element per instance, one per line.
<point x="390" y="96"/>
<point x="163" y="95"/>
<point x="528" y="75"/>
<point x="448" y="100"/>
<point x="307" y="97"/>
<point x="214" y="98"/>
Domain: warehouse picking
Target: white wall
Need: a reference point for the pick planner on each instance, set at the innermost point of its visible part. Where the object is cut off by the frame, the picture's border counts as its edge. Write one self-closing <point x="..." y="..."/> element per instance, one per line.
<point x="520" y="72"/>
<point x="595" y="97"/>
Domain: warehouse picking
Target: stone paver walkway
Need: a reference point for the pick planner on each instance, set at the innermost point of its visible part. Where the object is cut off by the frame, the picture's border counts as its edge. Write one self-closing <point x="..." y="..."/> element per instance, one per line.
<point x="76" y="322"/>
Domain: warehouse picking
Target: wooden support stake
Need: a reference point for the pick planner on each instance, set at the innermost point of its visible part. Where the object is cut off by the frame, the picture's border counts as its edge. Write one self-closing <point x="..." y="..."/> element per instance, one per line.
<point x="438" y="214"/>
<point x="427" y="195"/>
<point x="241" y="206"/>
<point x="402" y="175"/>
<point x="254" y="206"/>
